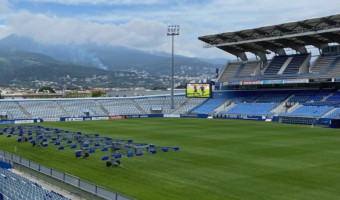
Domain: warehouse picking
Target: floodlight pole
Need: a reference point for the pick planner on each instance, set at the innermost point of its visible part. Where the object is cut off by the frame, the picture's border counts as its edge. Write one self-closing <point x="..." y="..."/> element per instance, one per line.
<point x="172" y="74"/>
<point x="172" y="31"/>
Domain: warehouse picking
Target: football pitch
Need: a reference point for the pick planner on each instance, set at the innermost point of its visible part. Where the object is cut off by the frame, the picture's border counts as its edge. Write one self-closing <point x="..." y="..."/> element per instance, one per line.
<point x="218" y="159"/>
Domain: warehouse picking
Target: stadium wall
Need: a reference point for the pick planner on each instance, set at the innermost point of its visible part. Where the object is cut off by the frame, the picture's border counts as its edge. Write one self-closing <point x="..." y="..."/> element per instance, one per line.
<point x="239" y="116"/>
<point x="324" y="121"/>
<point x="67" y="119"/>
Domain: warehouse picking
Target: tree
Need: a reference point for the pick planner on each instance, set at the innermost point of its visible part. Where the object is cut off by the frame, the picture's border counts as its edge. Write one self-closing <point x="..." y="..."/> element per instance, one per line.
<point x="46" y="88"/>
<point x="97" y="94"/>
<point x="158" y="88"/>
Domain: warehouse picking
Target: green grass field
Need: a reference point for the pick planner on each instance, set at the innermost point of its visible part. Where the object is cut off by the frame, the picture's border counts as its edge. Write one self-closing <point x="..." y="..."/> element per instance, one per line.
<point x="218" y="159"/>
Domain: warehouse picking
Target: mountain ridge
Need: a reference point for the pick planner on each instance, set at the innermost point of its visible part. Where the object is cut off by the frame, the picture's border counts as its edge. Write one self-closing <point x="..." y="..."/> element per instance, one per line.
<point x="33" y="70"/>
<point x="113" y="57"/>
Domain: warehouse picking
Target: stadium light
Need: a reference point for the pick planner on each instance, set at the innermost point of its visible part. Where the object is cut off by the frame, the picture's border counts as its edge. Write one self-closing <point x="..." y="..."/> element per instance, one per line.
<point x="172" y="31"/>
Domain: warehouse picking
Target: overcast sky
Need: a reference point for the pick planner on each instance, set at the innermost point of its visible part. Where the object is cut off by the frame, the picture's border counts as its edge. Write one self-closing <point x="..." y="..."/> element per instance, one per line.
<point x="142" y="24"/>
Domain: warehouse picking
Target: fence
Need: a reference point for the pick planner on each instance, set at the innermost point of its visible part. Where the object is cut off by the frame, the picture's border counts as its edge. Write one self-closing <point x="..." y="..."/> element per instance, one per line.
<point x="62" y="180"/>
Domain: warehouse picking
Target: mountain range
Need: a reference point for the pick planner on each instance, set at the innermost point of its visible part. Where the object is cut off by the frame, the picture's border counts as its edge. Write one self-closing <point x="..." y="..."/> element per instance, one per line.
<point x="114" y="58"/>
<point x="24" y="62"/>
<point x="33" y="70"/>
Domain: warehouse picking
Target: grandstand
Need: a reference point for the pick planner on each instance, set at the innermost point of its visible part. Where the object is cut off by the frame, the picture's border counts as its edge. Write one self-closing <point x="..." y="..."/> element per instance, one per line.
<point x="285" y="87"/>
<point x="57" y="108"/>
<point x="312" y="102"/>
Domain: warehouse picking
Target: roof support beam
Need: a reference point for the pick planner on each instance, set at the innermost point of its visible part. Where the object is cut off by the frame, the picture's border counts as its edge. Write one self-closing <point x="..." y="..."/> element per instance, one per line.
<point x="272" y="47"/>
<point x="313" y="41"/>
<point x="304" y="25"/>
<point x="328" y="21"/>
<point x="332" y="36"/>
<point x="261" y="32"/>
<point x="280" y="28"/>
<point x="241" y="35"/>
<point x="220" y="36"/>
<point x="237" y="53"/>
<point x="255" y="50"/>
<point x="294" y="45"/>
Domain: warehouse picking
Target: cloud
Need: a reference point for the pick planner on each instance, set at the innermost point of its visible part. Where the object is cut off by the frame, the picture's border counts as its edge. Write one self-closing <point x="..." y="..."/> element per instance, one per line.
<point x="137" y="33"/>
<point x="4" y="12"/>
<point x="4" y="31"/>
<point x="4" y="8"/>
<point x="210" y="17"/>
<point x="142" y="24"/>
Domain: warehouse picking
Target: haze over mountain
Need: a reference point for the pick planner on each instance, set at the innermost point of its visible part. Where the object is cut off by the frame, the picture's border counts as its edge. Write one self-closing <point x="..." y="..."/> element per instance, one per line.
<point x="113" y="58"/>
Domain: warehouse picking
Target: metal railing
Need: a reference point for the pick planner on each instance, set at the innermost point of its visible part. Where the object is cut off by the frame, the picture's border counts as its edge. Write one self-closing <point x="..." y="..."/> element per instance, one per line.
<point x="72" y="184"/>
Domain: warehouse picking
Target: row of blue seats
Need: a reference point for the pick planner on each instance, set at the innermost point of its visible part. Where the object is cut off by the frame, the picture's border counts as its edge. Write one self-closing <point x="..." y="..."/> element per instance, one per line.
<point x="323" y="103"/>
<point x="313" y="111"/>
<point x="295" y="64"/>
<point x="239" y="97"/>
<point x="292" y="68"/>
<point x="252" y="108"/>
<point x="275" y="65"/>
<point x="273" y="97"/>
<point x="335" y="114"/>
<point x="333" y="98"/>
<point x="16" y="187"/>
<point x="291" y="71"/>
<point x="209" y="106"/>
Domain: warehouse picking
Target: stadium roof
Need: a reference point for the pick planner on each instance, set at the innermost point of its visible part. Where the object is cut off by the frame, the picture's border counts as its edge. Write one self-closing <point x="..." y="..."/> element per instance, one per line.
<point x="318" y="32"/>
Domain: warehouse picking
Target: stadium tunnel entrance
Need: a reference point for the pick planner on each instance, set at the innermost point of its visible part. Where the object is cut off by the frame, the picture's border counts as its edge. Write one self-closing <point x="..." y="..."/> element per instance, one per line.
<point x="334" y="123"/>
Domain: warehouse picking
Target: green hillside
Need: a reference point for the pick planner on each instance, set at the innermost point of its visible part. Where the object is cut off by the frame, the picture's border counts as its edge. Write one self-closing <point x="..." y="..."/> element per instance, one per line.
<point x="28" y="69"/>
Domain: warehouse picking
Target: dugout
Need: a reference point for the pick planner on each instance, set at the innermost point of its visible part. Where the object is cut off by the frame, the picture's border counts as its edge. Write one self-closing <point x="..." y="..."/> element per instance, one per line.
<point x="334" y="123"/>
<point x="156" y="110"/>
<point x="3" y="116"/>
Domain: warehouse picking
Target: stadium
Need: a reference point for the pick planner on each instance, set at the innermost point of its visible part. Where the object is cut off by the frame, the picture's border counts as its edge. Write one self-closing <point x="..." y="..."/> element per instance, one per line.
<point x="265" y="129"/>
